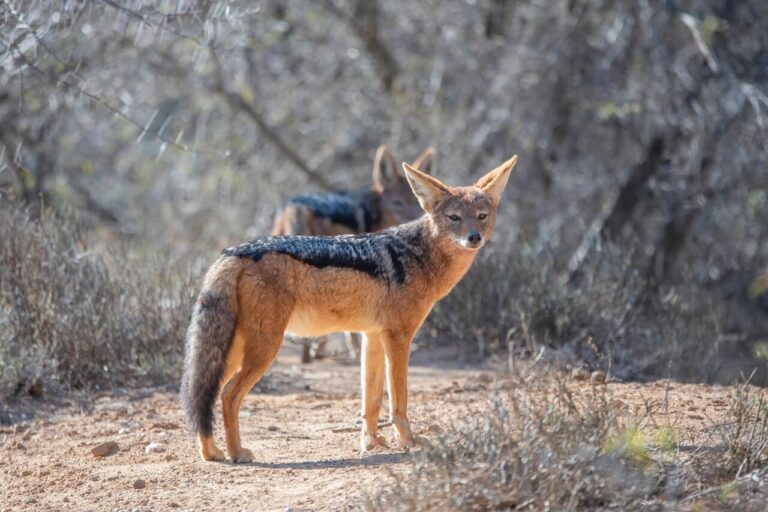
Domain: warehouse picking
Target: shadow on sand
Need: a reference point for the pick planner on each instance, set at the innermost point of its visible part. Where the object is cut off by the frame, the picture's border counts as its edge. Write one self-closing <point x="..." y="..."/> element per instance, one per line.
<point x="374" y="459"/>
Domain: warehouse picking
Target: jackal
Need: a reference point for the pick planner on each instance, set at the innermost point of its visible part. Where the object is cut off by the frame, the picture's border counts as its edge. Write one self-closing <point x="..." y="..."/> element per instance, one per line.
<point x="388" y="203"/>
<point x="382" y="284"/>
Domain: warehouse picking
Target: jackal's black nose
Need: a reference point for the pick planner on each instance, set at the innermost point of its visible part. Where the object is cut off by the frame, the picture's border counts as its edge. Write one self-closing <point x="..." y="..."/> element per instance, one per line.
<point x="474" y="237"/>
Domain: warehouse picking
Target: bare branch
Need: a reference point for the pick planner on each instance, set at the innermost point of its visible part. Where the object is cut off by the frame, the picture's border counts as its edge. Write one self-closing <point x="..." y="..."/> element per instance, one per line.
<point x="65" y="82"/>
<point x="365" y="24"/>
<point x="239" y="103"/>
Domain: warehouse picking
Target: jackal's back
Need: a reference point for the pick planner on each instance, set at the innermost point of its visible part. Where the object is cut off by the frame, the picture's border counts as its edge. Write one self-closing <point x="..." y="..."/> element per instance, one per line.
<point x="356" y="210"/>
<point x="387" y="256"/>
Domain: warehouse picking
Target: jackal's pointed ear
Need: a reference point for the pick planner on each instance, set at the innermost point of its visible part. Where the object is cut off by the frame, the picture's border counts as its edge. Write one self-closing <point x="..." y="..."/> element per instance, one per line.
<point x="429" y="191"/>
<point x="494" y="183"/>
<point x="385" y="171"/>
<point x="425" y="162"/>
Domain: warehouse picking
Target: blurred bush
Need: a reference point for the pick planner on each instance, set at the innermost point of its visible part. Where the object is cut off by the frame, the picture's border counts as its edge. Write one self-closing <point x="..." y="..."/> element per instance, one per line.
<point x="73" y="318"/>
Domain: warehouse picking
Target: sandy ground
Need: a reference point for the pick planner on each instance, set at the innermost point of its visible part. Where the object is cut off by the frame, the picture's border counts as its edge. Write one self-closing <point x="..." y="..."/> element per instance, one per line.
<point x="302" y="463"/>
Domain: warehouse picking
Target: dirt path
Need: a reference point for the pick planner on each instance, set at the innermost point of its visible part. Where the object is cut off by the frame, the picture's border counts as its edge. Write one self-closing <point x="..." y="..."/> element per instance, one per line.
<point x="302" y="464"/>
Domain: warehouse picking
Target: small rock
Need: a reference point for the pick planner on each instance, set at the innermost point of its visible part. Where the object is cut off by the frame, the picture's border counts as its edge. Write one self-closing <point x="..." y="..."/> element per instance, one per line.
<point x="139" y="484"/>
<point x="123" y="431"/>
<point x="169" y="457"/>
<point x="26" y="472"/>
<point x="597" y="377"/>
<point x="154" y="448"/>
<point x="579" y="374"/>
<point x="165" y="425"/>
<point x="272" y="428"/>
<point x="173" y="504"/>
<point x="105" y="449"/>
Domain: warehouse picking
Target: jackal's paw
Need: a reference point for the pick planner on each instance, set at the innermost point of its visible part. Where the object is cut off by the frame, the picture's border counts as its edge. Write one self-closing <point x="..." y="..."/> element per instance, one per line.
<point x="243" y="456"/>
<point x="409" y="441"/>
<point x="212" y="453"/>
<point x="370" y="442"/>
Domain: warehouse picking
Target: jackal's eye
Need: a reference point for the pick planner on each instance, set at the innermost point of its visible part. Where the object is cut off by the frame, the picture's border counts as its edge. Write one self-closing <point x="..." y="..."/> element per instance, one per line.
<point x="482" y="216"/>
<point x="398" y="203"/>
<point x="454" y="217"/>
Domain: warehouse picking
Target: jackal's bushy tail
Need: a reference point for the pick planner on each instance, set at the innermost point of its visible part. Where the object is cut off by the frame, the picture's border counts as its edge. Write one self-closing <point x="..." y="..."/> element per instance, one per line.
<point x="209" y="338"/>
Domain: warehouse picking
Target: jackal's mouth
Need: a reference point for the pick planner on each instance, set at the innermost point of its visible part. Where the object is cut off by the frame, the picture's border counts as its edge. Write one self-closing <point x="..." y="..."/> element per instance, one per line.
<point x="473" y="246"/>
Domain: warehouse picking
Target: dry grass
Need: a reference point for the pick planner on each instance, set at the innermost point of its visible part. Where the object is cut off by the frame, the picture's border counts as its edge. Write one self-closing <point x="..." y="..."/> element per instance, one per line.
<point x="540" y="447"/>
<point x="70" y="317"/>
<point x="745" y="437"/>
<point x="514" y="301"/>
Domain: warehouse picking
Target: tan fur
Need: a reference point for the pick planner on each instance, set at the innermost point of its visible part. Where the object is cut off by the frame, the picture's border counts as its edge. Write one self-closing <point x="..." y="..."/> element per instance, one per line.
<point x="279" y="293"/>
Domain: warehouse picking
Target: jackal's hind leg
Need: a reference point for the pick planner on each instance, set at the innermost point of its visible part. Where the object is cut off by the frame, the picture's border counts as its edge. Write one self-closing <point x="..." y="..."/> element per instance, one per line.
<point x="259" y="352"/>
<point x="306" y="351"/>
<point x="354" y="344"/>
<point x="372" y="384"/>
<point x="208" y="448"/>
<point x="320" y="347"/>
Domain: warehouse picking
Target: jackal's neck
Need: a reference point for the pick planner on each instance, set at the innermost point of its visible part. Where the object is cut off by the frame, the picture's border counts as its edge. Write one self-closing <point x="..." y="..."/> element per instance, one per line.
<point x="447" y="262"/>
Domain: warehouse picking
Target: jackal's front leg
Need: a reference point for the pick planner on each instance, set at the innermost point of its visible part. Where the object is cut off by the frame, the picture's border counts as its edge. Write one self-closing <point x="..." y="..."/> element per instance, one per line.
<point x="372" y="384"/>
<point x="398" y="351"/>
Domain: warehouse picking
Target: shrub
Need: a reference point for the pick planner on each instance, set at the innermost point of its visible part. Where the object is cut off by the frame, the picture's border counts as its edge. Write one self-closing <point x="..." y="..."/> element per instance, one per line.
<point x="608" y="318"/>
<point x="538" y="446"/>
<point x="72" y="317"/>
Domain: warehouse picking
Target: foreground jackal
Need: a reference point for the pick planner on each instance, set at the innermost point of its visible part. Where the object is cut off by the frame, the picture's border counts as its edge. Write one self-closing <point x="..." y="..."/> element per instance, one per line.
<point x="387" y="203"/>
<point x="382" y="284"/>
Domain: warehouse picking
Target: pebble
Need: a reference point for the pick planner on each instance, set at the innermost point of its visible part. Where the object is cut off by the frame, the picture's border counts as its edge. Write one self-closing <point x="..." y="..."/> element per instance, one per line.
<point x="139" y="484"/>
<point x="105" y="449"/>
<point x="154" y="448"/>
<point x="597" y="377"/>
<point x="485" y="378"/>
<point x="272" y="428"/>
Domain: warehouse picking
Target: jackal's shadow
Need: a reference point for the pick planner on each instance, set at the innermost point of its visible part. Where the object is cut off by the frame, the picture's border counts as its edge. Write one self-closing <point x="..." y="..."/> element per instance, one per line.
<point x="374" y="459"/>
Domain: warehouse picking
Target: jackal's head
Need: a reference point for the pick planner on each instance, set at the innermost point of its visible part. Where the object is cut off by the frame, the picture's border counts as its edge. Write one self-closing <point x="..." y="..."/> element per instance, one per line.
<point x="397" y="203"/>
<point x="465" y="215"/>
